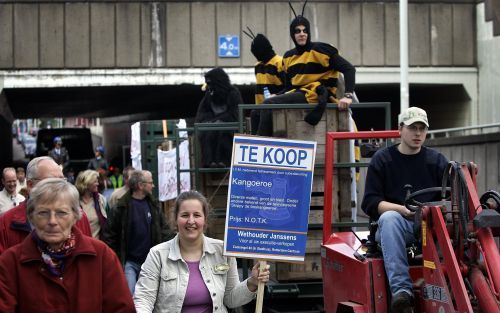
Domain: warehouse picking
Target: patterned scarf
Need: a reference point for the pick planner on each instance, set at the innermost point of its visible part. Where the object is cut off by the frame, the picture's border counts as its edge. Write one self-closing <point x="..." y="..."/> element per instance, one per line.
<point x="55" y="260"/>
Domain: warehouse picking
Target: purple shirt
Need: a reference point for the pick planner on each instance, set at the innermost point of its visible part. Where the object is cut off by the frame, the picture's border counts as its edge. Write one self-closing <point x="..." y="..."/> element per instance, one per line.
<point x="197" y="299"/>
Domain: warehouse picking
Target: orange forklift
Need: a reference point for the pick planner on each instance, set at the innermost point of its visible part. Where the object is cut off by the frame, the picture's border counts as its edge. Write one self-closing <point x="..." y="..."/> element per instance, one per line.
<point x="457" y="267"/>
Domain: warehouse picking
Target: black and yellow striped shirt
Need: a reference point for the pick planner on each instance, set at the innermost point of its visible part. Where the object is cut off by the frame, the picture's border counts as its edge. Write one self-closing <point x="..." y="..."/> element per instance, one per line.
<point x="315" y="66"/>
<point x="270" y="75"/>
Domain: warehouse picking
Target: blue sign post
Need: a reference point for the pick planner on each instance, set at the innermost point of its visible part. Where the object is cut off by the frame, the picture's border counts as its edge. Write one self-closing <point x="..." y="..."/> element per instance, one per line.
<point x="229" y="46"/>
<point x="269" y="197"/>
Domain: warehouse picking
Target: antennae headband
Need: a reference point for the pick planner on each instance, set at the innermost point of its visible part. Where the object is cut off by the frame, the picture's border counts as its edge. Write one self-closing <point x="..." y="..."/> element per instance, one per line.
<point x="303" y="7"/>
<point x="290" y="4"/>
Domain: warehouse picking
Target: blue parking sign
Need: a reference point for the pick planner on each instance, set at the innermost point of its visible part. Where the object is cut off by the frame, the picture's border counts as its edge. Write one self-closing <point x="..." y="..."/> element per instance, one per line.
<point x="229" y="46"/>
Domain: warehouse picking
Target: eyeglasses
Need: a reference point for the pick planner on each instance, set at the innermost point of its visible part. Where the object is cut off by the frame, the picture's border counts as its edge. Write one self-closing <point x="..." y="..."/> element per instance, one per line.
<point x="46" y="214"/>
<point x="416" y="128"/>
<point x="298" y="31"/>
<point x="148" y="182"/>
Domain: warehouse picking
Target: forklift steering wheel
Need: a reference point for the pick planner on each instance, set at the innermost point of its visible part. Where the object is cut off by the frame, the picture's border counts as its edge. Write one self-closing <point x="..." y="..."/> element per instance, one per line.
<point x="412" y="204"/>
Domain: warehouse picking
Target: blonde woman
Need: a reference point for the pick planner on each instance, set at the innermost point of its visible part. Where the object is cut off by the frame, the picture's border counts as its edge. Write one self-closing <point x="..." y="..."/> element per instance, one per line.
<point x="91" y="201"/>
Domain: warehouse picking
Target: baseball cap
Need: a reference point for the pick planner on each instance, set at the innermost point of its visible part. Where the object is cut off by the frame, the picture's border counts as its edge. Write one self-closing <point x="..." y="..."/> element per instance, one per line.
<point x="100" y="149"/>
<point x="413" y="115"/>
<point x="57" y="139"/>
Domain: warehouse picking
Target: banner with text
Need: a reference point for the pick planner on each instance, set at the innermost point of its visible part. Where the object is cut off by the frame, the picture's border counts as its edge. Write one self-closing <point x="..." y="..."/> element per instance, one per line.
<point x="167" y="172"/>
<point x="135" y="146"/>
<point x="269" y="197"/>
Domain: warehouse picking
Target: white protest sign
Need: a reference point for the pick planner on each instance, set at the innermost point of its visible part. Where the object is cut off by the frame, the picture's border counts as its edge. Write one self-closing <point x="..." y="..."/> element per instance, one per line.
<point x="167" y="171"/>
<point x="135" y="146"/>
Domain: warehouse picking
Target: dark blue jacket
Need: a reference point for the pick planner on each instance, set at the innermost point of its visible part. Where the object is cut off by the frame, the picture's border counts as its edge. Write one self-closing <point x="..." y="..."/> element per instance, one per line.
<point x="118" y="223"/>
<point x="390" y="170"/>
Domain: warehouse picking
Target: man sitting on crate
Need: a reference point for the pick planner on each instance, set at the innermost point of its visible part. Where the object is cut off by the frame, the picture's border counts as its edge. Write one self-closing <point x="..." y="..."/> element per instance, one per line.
<point x="220" y="104"/>
<point x="389" y="171"/>
<point x="312" y="70"/>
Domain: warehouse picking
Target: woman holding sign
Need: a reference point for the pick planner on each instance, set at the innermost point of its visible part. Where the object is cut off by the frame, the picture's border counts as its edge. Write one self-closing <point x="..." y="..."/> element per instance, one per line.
<point x="189" y="272"/>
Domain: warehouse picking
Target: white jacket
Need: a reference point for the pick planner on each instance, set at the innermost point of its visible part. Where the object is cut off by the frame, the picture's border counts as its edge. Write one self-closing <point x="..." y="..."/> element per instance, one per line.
<point x="7" y="202"/>
<point x="164" y="278"/>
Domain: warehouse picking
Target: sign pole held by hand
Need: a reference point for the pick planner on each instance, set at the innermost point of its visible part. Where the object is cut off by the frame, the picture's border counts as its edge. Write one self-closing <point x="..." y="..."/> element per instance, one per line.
<point x="260" y="289"/>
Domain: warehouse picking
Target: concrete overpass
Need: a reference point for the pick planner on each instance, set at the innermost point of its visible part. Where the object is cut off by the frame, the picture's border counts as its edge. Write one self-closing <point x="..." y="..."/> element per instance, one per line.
<point x="131" y="60"/>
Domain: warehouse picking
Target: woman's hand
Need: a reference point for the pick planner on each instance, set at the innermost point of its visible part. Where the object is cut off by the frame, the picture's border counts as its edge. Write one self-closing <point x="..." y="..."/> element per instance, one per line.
<point x="258" y="276"/>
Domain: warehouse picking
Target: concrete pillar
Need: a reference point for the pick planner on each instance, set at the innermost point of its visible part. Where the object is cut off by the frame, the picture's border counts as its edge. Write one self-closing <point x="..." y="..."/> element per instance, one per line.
<point x="6" y="119"/>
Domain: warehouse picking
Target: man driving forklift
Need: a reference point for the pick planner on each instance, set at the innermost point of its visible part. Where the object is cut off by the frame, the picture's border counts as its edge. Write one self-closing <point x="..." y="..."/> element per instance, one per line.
<point x="390" y="170"/>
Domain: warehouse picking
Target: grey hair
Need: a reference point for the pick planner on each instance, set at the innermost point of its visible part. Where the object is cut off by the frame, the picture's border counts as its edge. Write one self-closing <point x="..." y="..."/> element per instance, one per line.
<point x="8" y="169"/>
<point x="32" y="168"/>
<point x="136" y="177"/>
<point x="126" y="173"/>
<point x="52" y="189"/>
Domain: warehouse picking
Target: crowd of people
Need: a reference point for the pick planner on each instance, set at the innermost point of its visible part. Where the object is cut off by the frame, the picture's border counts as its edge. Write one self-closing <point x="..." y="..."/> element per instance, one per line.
<point x="85" y="253"/>
<point x="64" y="239"/>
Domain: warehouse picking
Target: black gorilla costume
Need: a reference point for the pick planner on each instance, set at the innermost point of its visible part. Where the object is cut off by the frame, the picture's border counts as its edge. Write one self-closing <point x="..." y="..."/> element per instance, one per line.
<point x="220" y="104"/>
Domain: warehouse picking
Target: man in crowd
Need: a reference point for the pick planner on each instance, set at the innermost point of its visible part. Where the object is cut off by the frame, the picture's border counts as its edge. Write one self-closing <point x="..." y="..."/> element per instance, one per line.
<point x="99" y="162"/>
<point x="59" y="153"/>
<point x="116" y="178"/>
<point x="135" y="225"/>
<point x="121" y="191"/>
<point x="14" y="226"/>
<point x="389" y="171"/>
<point x="21" y="179"/>
<point x="9" y="197"/>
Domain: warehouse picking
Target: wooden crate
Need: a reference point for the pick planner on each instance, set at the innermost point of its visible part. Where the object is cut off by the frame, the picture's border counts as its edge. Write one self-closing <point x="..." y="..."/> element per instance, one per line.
<point x="168" y="212"/>
<point x="215" y="179"/>
<point x="216" y="226"/>
<point x="215" y="188"/>
<point x="316" y="217"/>
<point x="289" y="123"/>
<point x="314" y="239"/>
<point x="310" y="269"/>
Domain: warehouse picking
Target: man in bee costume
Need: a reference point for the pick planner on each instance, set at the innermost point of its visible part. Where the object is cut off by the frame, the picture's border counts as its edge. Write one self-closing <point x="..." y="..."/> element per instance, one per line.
<point x="268" y="74"/>
<point x="312" y="70"/>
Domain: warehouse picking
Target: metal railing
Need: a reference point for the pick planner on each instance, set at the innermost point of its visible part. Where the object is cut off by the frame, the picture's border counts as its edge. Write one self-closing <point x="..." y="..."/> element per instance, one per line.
<point x="463" y="131"/>
<point x="362" y="105"/>
<point x="197" y="168"/>
<point x="240" y="126"/>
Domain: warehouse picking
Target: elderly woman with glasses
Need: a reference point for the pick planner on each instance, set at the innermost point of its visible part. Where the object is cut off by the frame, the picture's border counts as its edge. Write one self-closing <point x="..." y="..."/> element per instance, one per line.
<point x="92" y="202"/>
<point x="57" y="268"/>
